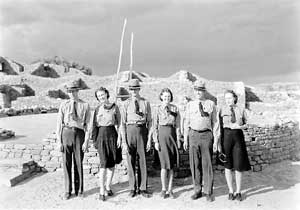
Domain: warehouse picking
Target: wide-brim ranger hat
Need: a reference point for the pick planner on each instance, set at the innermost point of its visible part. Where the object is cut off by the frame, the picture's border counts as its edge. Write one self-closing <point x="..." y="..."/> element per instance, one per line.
<point x="199" y="85"/>
<point x="134" y="84"/>
<point x="73" y="86"/>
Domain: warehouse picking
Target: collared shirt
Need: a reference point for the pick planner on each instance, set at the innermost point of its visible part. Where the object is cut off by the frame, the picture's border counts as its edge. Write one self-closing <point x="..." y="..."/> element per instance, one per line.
<point x="65" y="116"/>
<point x="107" y="117"/>
<point x="225" y="116"/>
<point x="129" y="116"/>
<point x="195" y="121"/>
<point x="162" y="117"/>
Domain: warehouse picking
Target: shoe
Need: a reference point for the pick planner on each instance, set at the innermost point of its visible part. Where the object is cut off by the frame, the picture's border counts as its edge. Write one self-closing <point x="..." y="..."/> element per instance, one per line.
<point x="196" y="196"/>
<point x="102" y="197"/>
<point x="138" y="191"/>
<point x="110" y="193"/>
<point x="164" y="194"/>
<point x="231" y="196"/>
<point x="66" y="196"/>
<point x="145" y="193"/>
<point x="132" y="193"/>
<point x="80" y="195"/>
<point x="209" y="198"/>
<point x="170" y="194"/>
<point x="238" y="196"/>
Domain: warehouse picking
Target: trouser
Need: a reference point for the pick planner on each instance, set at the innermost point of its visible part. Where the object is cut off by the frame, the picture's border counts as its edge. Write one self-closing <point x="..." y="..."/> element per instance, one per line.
<point x="72" y="139"/>
<point x="137" y="141"/>
<point x="200" y="154"/>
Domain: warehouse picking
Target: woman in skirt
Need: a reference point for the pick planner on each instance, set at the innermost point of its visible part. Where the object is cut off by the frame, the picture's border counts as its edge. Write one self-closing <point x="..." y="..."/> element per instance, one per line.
<point x="166" y="134"/>
<point x="106" y="122"/>
<point x="233" y="120"/>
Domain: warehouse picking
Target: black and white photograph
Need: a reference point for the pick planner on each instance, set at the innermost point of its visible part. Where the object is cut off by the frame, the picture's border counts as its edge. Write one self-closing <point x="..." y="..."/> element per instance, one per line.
<point x="141" y="105"/>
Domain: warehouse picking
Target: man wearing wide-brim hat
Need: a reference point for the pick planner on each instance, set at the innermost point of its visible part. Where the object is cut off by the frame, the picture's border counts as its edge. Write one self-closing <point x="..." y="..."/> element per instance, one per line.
<point x="202" y="131"/>
<point x="135" y="126"/>
<point x="72" y="137"/>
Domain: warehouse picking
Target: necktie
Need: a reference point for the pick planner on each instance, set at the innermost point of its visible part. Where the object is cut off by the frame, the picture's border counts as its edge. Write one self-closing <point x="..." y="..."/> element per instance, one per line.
<point x="203" y="113"/>
<point x="74" y="111"/>
<point x="233" y="118"/>
<point x="137" y="108"/>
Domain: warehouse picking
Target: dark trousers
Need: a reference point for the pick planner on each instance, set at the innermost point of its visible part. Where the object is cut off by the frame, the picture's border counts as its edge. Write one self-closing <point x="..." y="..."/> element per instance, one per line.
<point x="200" y="152"/>
<point x="72" y="140"/>
<point x="137" y="140"/>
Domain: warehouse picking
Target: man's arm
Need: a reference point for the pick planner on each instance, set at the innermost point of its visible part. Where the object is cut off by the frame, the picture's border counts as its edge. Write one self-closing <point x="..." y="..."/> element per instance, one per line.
<point x="59" y="127"/>
<point x="186" y="126"/>
<point x="215" y="123"/>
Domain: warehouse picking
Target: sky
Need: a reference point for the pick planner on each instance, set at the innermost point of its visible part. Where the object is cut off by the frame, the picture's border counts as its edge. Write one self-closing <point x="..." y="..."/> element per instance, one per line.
<point x="254" y="41"/>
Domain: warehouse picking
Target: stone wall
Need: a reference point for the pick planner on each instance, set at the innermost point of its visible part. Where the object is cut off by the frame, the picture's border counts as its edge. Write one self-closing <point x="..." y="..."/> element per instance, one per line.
<point x="265" y="145"/>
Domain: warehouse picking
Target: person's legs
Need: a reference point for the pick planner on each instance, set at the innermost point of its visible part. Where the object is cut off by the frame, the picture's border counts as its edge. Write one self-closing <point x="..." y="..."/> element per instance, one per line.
<point x="163" y="176"/>
<point x="171" y="177"/>
<point x="206" y="158"/>
<point x="131" y="158"/>
<point x="101" y="180"/>
<point x="238" y="181"/>
<point x="109" y="176"/>
<point x="228" y="176"/>
<point x="78" y="158"/>
<point x="141" y="150"/>
<point x="67" y="140"/>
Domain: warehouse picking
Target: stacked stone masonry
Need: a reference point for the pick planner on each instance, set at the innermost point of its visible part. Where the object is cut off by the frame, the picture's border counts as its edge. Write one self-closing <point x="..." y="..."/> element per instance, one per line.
<point x="265" y="145"/>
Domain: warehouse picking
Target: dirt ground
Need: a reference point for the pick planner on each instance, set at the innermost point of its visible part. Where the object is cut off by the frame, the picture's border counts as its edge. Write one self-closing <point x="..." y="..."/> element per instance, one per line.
<point x="277" y="187"/>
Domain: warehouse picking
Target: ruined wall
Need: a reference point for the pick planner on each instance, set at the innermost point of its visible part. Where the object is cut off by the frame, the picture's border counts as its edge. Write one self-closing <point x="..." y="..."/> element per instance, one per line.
<point x="265" y="145"/>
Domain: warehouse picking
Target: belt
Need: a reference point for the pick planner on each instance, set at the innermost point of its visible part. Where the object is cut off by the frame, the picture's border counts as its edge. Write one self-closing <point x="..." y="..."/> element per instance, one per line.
<point x="169" y="125"/>
<point x="72" y="128"/>
<point x="201" y="131"/>
<point x="137" y="124"/>
<point x="230" y="129"/>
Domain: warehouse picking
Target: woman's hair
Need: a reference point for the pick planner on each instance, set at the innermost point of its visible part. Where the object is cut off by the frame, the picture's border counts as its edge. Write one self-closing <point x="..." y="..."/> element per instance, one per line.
<point x="166" y="90"/>
<point x="233" y="94"/>
<point x="102" y="89"/>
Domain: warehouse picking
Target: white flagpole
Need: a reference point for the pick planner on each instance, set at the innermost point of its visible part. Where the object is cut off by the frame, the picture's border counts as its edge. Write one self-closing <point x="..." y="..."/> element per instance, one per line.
<point x="131" y="56"/>
<point x="120" y="56"/>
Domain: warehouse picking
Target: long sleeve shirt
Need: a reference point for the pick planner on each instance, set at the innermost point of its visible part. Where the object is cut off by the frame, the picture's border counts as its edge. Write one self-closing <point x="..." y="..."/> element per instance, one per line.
<point x="194" y="120"/>
<point x="65" y="116"/>
<point x="163" y="117"/>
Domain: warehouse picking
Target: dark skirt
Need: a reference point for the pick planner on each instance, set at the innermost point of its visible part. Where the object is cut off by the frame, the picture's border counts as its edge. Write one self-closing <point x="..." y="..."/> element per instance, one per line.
<point x="168" y="154"/>
<point x="234" y="148"/>
<point x="106" y="144"/>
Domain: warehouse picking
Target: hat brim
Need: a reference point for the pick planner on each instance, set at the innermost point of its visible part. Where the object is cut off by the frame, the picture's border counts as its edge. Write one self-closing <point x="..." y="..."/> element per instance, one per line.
<point x="200" y="88"/>
<point x="73" y="89"/>
<point x="134" y="87"/>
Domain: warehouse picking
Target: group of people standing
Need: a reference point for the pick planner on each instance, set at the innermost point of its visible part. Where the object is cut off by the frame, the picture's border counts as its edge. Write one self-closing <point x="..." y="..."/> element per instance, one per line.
<point x="133" y="127"/>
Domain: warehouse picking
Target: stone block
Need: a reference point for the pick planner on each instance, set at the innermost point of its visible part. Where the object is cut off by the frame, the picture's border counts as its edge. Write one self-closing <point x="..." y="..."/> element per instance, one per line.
<point x="46" y="158"/>
<point x="55" y="153"/>
<point x="52" y="164"/>
<point x="27" y="151"/>
<point x="54" y="159"/>
<point x="20" y="146"/>
<point x="94" y="160"/>
<point x="9" y="146"/>
<point x="48" y="147"/>
<point x="45" y="152"/>
<point x="36" y="152"/>
<point x="18" y="154"/>
<point x="257" y="168"/>
<point x="27" y="156"/>
<point x="36" y="157"/>
<point x="3" y="154"/>
<point x="11" y="155"/>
